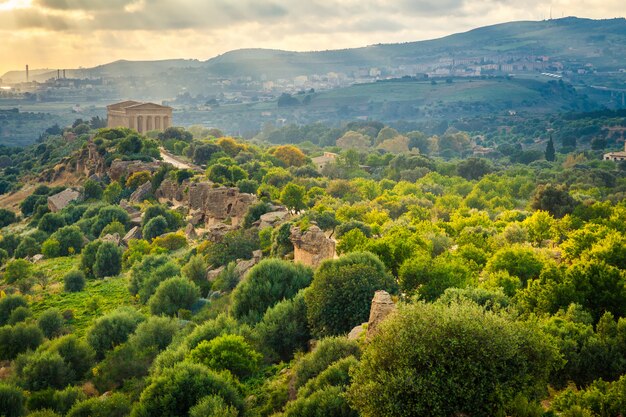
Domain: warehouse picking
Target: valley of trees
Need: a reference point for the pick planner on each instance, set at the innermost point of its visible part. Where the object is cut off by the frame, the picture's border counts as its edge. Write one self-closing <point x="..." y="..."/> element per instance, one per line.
<point x="508" y="274"/>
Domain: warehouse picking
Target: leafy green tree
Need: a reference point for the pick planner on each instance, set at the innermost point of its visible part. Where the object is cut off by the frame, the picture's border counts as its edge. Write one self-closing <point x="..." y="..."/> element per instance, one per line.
<point x="51" y="222"/>
<point x="51" y="248"/>
<point x="16" y="270"/>
<point x="431" y="277"/>
<point x="92" y="190"/>
<point x="70" y="240"/>
<point x="342" y="290"/>
<point x="173" y="295"/>
<point x="115" y="405"/>
<point x="328" y="401"/>
<point x="460" y="358"/>
<point x="74" y="281"/>
<point x="325" y="353"/>
<point x="78" y="355"/>
<point x="146" y="275"/>
<point x="292" y="196"/>
<point x="27" y="247"/>
<point x="213" y="406"/>
<point x="520" y="261"/>
<point x="227" y="352"/>
<point x="155" y="227"/>
<point x="108" y="260"/>
<point x="17" y="339"/>
<point x="51" y="323"/>
<point x="7" y="217"/>
<point x="112" y="330"/>
<point x="19" y="315"/>
<point x="112" y="193"/>
<point x="267" y="283"/>
<point x="29" y="205"/>
<point x="553" y="199"/>
<point x="8" y="304"/>
<point x="88" y="257"/>
<point x="174" y="392"/>
<point x="42" y="369"/>
<point x="550" y="153"/>
<point x="195" y="271"/>
<point x="107" y="215"/>
<point x="283" y="330"/>
<point x="474" y="168"/>
<point x="11" y="401"/>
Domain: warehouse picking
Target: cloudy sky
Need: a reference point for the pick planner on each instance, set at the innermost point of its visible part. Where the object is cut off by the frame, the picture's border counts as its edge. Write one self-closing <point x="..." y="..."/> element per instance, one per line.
<point x="72" y="33"/>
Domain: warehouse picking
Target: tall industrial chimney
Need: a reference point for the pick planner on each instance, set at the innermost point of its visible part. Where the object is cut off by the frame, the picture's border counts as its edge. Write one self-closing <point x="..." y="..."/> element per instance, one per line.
<point x="63" y="74"/>
<point x="26" y="72"/>
<point x="58" y="74"/>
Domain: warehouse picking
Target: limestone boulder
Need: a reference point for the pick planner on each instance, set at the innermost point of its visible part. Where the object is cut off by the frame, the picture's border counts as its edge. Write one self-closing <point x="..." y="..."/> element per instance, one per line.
<point x="113" y="238"/>
<point x="382" y="306"/>
<point x="141" y="193"/>
<point x="134" y="233"/>
<point x="190" y="232"/>
<point x="311" y="247"/>
<point x="273" y="218"/>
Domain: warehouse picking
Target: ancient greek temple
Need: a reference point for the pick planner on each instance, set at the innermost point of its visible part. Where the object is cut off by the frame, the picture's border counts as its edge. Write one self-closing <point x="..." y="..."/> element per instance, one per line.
<point x="142" y="117"/>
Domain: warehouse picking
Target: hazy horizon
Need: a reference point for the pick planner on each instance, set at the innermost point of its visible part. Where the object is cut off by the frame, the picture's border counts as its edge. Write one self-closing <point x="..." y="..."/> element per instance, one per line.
<point x="85" y="33"/>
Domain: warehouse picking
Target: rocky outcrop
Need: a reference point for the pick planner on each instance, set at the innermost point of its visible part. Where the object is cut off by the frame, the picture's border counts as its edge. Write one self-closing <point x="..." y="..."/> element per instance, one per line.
<point x="217" y="232"/>
<point x="113" y="238"/>
<point x="171" y="190"/>
<point x="311" y="247"/>
<point x="119" y="168"/>
<point x="134" y="233"/>
<point x="141" y="193"/>
<point x="190" y="232"/>
<point x="89" y="161"/>
<point x="135" y="214"/>
<point x="60" y="200"/>
<point x="273" y="218"/>
<point x="208" y="204"/>
<point x="244" y="265"/>
<point x="382" y="306"/>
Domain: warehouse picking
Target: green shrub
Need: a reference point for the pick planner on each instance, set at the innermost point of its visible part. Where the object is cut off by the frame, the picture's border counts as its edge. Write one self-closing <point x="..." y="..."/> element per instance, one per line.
<point x="8" y="304"/>
<point x="115" y="405"/>
<point x="92" y="190"/>
<point x="112" y="330"/>
<point x="74" y="281"/>
<point x="460" y="359"/>
<point x="267" y="283"/>
<point x="170" y="241"/>
<point x="51" y="222"/>
<point x="326" y="352"/>
<point x="173" y="295"/>
<point x="178" y="389"/>
<point x="44" y="413"/>
<point x="11" y="401"/>
<point x="19" y="338"/>
<point x="284" y="330"/>
<point x="227" y="352"/>
<point x="227" y="279"/>
<point x="7" y="217"/>
<point x="329" y="401"/>
<point x="70" y="240"/>
<point x="42" y="369"/>
<point x="20" y="314"/>
<point x="112" y="228"/>
<point x="88" y="257"/>
<point x="342" y="290"/>
<point x="154" y="228"/>
<point x="108" y="260"/>
<point x="336" y="375"/>
<point x="16" y="270"/>
<point x="79" y="356"/>
<point x="107" y="215"/>
<point x="51" y="248"/>
<point x="27" y="247"/>
<point x="195" y="271"/>
<point x="213" y="406"/>
<point x="146" y="275"/>
<point x="51" y="323"/>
